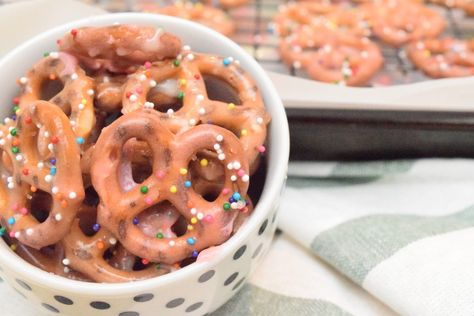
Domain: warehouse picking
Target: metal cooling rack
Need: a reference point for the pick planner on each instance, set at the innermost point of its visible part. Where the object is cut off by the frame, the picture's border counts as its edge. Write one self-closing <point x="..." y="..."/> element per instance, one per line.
<point x="254" y="35"/>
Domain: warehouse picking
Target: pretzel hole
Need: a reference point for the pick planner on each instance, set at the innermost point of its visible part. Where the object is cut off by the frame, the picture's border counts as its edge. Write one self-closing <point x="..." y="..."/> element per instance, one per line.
<point x="40" y="205"/>
<point x="165" y="96"/>
<point x="112" y="117"/>
<point x="141" y="159"/>
<point x="135" y="163"/>
<point x="119" y="258"/>
<point x="87" y="218"/>
<point x="91" y="197"/>
<point x="164" y="219"/>
<point x="50" y="88"/>
<point x="206" y="175"/>
<point x="187" y="262"/>
<point x="218" y="89"/>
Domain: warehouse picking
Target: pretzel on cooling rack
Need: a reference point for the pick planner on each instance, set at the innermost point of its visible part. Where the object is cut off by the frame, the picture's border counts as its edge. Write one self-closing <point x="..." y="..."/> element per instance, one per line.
<point x="399" y="22"/>
<point x="32" y="180"/>
<point x="226" y="4"/>
<point x="332" y="56"/>
<point x="74" y="98"/>
<point x="209" y="16"/>
<point x="294" y="14"/>
<point x="443" y="58"/>
<point x="209" y="223"/>
<point x="186" y="79"/>
<point x="87" y="254"/>
<point x="119" y="48"/>
<point x="466" y="5"/>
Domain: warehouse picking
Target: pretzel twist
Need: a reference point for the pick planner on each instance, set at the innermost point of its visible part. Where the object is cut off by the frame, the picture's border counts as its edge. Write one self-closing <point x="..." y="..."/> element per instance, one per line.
<point x="443" y="58"/>
<point x="211" y="224"/>
<point x="331" y="56"/>
<point x="399" y="22"/>
<point x="59" y="177"/>
<point x="86" y="254"/>
<point x="75" y="98"/>
<point x="119" y="48"/>
<point x="185" y="79"/>
<point x="209" y="16"/>
<point x="294" y="15"/>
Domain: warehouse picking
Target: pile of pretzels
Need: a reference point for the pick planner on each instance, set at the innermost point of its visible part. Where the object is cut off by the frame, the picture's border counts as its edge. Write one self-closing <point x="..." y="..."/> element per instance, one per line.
<point x="333" y="43"/>
<point x="127" y="155"/>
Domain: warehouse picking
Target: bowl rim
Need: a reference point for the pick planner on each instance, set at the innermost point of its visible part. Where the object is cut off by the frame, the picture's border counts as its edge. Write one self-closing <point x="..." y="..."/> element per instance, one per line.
<point x="271" y="192"/>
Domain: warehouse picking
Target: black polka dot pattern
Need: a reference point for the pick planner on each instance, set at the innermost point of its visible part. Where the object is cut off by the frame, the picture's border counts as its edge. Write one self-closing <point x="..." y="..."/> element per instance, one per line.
<point x="231" y="278"/>
<point x="193" y="307"/>
<point x="175" y="303"/>
<point x="143" y="297"/>
<point x="257" y="251"/>
<point x="263" y="227"/>
<point x="238" y="284"/>
<point x="206" y="276"/>
<point x="63" y="300"/>
<point x="50" y="308"/>
<point x="240" y="252"/>
<point x="100" y="305"/>
<point x="23" y="284"/>
<point x="129" y="314"/>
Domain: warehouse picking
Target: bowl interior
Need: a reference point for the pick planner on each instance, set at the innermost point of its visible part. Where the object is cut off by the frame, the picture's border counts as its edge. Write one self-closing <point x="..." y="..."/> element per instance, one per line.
<point x="201" y="39"/>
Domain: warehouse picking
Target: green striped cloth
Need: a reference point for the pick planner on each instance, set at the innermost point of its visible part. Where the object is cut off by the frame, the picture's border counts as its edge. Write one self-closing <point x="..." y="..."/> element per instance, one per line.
<point x="371" y="238"/>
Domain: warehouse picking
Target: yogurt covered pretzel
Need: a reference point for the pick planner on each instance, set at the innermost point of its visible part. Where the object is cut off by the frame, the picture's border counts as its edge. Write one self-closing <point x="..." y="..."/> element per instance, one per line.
<point x="185" y="79"/>
<point x="332" y="56"/>
<point x="76" y="96"/>
<point x="321" y="13"/>
<point x="119" y="48"/>
<point x="86" y="254"/>
<point x="399" y="22"/>
<point x="209" y="16"/>
<point x="60" y="177"/>
<point x="443" y="58"/>
<point x="49" y="259"/>
<point x="209" y="223"/>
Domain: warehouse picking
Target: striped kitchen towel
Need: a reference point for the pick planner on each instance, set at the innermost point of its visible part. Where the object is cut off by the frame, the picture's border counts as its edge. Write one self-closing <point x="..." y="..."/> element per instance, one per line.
<point x="401" y="230"/>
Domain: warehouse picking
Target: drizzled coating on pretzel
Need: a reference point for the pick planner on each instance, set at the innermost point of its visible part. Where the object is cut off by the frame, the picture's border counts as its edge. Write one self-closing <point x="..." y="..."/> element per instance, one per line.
<point x="119" y="48"/>
<point x="295" y="14"/>
<point x="331" y="56"/>
<point x="321" y="13"/>
<point x="33" y="179"/>
<point x="210" y="223"/>
<point x="86" y="254"/>
<point x="75" y="95"/>
<point x="108" y="96"/>
<point x="188" y="80"/>
<point x="443" y="58"/>
<point x="209" y="16"/>
<point x="399" y="22"/>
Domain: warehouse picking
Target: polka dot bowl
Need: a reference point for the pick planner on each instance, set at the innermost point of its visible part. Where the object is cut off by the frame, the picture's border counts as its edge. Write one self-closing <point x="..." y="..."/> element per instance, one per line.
<point x="199" y="288"/>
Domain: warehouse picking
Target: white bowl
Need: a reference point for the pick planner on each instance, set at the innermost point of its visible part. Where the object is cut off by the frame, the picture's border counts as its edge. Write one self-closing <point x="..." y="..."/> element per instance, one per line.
<point x="199" y="288"/>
